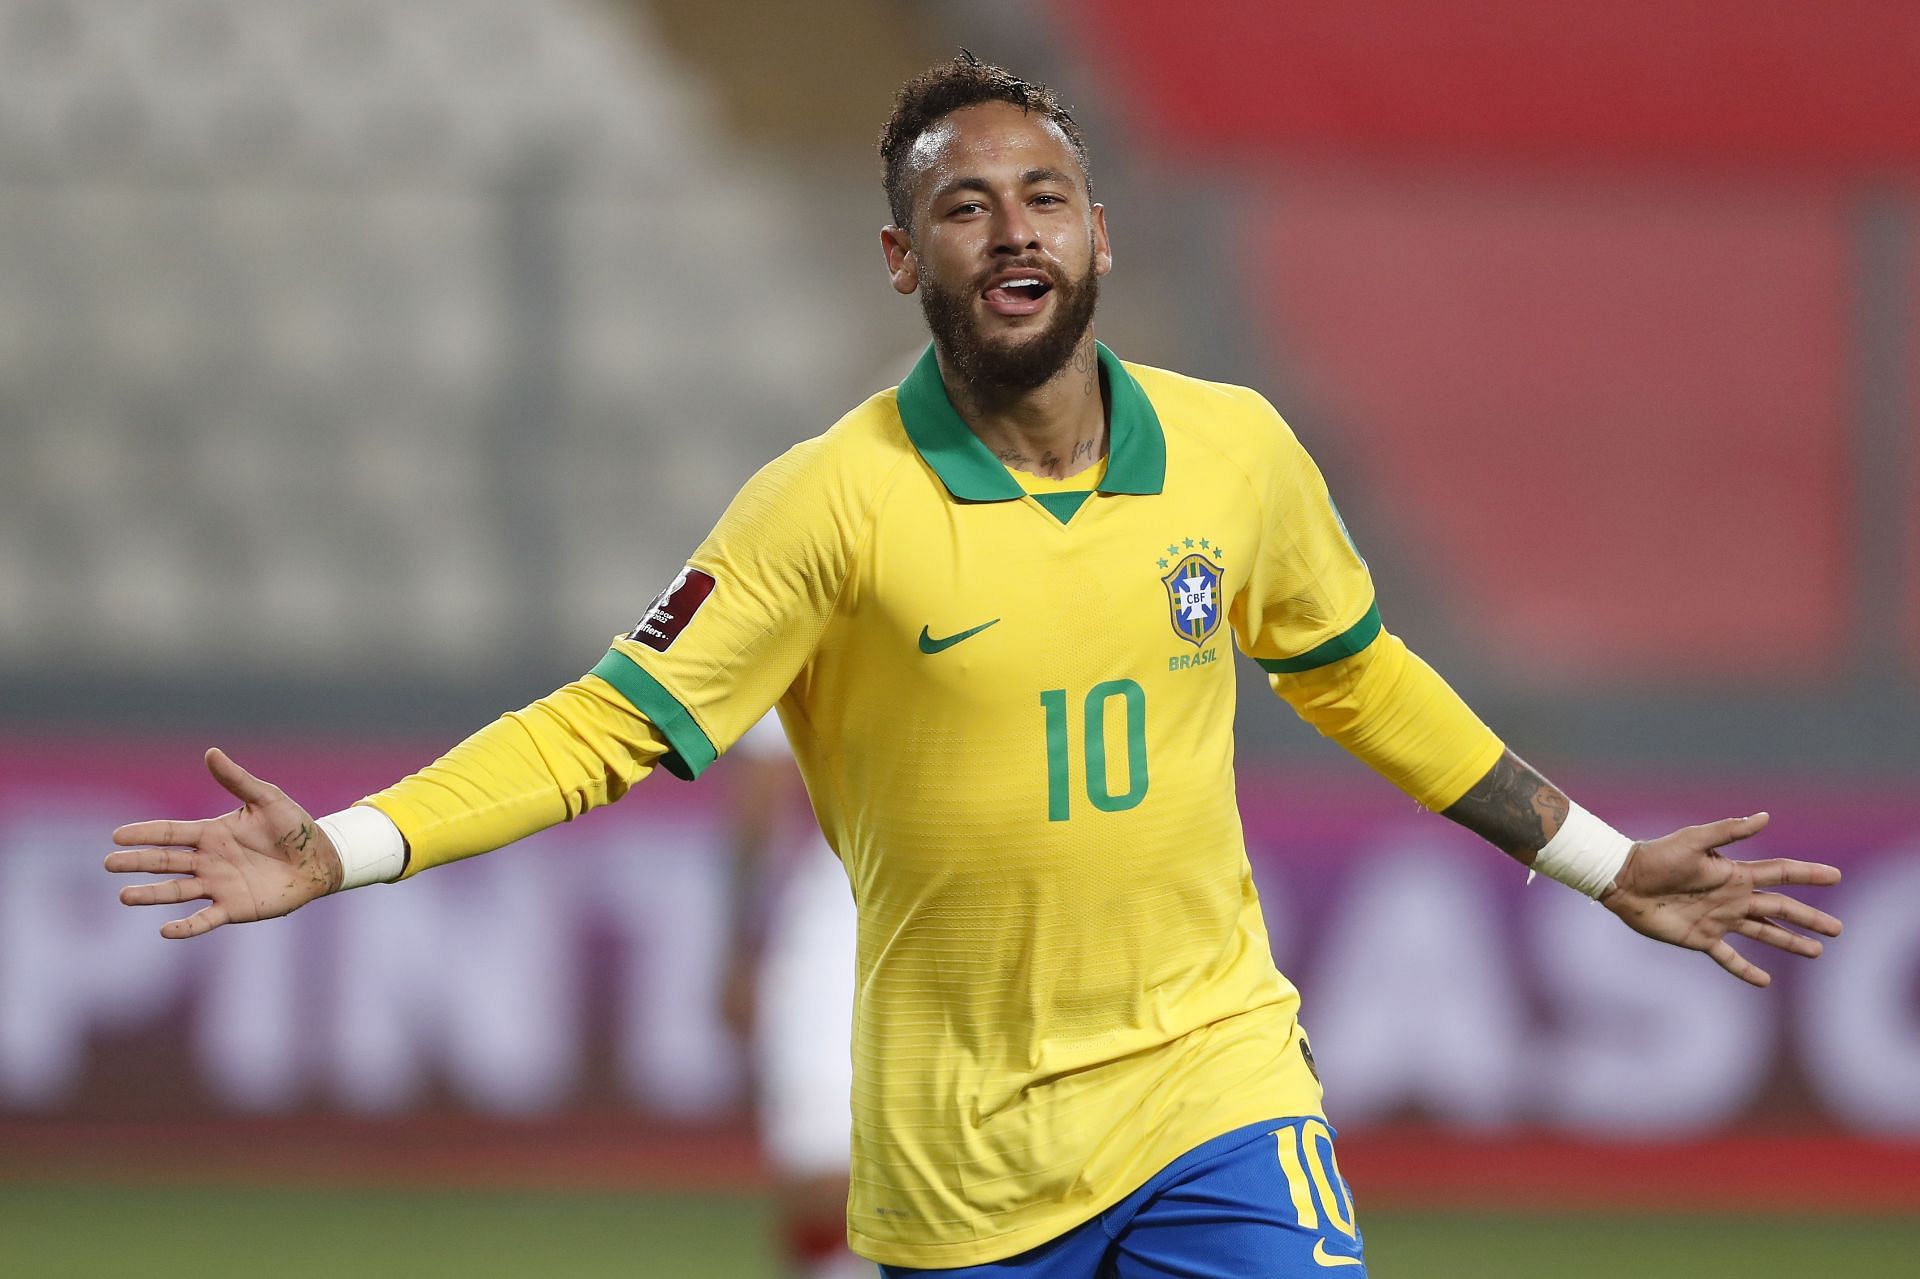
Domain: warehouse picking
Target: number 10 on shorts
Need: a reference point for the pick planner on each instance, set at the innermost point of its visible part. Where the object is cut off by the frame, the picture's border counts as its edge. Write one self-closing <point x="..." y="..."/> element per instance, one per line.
<point x="1093" y="748"/>
<point x="1313" y="1174"/>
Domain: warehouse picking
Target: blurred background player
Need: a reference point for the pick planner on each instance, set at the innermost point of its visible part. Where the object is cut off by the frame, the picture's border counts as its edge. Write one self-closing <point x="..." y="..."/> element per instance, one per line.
<point x="788" y="995"/>
<point x="786" y="991"/>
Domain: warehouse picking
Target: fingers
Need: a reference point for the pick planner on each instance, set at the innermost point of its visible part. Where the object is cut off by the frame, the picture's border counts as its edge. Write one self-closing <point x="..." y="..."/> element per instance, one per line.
<point x="177" y="834"/>
<point x="151" y="861"/>
<point x="204" y="920"/>
<point x="1732" y="830"/>
<point x="1774" y="935"/>
<point x="241" y="784"/>
<point x="164" y="893"/>
<point x="1797" y="913"/>
<point x="1734" y="962"/>
<point x="1775" y="871"/>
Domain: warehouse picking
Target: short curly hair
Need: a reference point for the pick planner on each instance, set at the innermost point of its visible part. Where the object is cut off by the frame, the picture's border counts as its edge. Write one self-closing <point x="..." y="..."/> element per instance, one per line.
<point x="939" y="91"/>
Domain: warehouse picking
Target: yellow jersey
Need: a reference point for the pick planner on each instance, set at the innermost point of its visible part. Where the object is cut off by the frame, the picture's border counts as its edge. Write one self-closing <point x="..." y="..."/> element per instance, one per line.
<point x="1014" y="714"/>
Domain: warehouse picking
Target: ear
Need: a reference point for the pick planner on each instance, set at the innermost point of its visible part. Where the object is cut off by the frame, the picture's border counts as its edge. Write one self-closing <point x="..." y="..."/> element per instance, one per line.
<point x="902" y="266"/>
<point x="1102" y="248"/>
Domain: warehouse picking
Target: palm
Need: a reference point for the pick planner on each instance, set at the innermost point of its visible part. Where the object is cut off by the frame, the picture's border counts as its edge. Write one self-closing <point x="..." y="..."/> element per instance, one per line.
<point x="1680" y="889"/>
<point x="264" y="859"/>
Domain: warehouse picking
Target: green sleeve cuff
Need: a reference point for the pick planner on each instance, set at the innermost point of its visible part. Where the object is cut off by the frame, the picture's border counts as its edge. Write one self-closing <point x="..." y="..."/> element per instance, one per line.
<point x="692" y="751"/>
<point x="1346" y="644"/>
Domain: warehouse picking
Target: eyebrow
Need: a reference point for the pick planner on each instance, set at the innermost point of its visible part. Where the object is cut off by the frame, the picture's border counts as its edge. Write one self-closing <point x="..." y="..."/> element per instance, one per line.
<point x="1027" y="179"/>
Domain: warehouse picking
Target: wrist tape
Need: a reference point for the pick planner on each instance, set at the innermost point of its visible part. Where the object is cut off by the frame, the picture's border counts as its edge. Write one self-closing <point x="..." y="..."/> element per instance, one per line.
<point x="372" y="849"/>
<point x="1584" y="854"/>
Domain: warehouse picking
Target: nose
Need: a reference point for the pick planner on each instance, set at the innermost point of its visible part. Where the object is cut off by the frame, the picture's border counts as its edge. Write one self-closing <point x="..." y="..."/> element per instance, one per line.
<point x="1013" y="232"/>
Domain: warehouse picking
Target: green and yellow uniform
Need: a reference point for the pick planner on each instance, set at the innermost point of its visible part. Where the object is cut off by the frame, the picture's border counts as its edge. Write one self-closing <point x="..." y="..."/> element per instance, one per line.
<point x="1014" y="714"/>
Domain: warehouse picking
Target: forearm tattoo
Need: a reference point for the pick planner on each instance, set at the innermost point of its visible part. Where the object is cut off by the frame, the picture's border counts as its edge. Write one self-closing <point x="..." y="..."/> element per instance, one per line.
<point x="1512" y="807"/>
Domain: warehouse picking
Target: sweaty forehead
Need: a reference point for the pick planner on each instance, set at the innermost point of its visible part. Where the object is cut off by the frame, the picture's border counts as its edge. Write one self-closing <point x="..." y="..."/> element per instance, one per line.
<point x="978" y="140"/>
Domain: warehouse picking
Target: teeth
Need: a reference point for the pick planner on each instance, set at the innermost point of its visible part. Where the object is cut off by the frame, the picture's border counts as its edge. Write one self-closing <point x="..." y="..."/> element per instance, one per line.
<point x="1022" y="284"/>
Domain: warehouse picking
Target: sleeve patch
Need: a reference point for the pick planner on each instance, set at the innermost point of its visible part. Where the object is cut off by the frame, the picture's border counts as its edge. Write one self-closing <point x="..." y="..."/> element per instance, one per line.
<point x="672" y="609"/>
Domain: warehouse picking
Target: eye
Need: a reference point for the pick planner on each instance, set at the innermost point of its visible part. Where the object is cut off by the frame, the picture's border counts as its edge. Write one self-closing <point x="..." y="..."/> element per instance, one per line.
<point x="1048" y="199"/>
<point x="971" y="206"/>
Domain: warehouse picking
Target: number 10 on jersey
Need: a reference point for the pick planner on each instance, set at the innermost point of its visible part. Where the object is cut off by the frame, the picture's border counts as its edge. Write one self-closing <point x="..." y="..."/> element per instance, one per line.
<point x="1093" y="748"/>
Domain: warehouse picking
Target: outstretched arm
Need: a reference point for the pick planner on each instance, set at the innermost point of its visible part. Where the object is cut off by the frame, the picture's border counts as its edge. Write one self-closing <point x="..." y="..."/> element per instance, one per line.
<point x="575" y="749"/>
<point x="1392" y="711"/>
<point x="1678" y="889"/>
<point x="1309" y="617"/>
<point x="1513" y="808"/>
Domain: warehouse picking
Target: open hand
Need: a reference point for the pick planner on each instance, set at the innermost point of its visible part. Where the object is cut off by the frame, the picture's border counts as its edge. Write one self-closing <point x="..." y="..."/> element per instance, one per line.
<point x="266" y="858"/>
<point x="1679" y="889"/>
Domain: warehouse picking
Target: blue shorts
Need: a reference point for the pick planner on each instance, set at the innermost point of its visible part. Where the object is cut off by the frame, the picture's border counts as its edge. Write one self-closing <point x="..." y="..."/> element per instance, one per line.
<point x="1265" y="1200"/>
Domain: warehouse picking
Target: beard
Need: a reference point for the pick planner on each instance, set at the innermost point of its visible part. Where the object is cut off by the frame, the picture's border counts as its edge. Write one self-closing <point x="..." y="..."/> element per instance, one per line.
<point x="997" y="369"/>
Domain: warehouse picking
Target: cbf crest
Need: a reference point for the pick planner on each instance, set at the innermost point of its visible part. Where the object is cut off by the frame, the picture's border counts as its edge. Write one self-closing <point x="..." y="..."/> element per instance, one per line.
<point x="1194" y="597"/>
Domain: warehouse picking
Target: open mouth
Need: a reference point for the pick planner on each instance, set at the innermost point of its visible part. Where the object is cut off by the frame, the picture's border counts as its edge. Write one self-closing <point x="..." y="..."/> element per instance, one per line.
<point x="1018" y="295"/>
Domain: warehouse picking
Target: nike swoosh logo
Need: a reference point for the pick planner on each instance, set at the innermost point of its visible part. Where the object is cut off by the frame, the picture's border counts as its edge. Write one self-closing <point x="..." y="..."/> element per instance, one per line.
<point x="928" y="644"/>
<point x="1321" y="1257"/>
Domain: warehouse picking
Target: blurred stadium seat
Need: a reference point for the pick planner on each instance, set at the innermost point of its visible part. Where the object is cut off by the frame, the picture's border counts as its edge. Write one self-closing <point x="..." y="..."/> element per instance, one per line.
<point x="1725" y="83"/>
<point x="295" y="285"/>
<point x="1590" y="272"/>
<point x="1612" y="417"/>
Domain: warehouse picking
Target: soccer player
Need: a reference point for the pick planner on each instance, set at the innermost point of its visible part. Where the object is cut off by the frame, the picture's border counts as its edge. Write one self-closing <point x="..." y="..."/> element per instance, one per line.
<point x="788" y="995"/>
<point x="993" y="606"/>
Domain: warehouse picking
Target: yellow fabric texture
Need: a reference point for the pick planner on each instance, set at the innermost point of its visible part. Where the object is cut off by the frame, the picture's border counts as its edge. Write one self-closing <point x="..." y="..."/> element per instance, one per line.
<point x="573" y="750"/>
<point x="1308" y="583"/>
<point x="1394" y="711"/>
<point x="1064" y="981"/>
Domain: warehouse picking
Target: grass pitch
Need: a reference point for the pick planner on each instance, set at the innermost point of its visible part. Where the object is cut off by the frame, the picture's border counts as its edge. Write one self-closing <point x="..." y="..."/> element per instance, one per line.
<point x="89" y="1230"/>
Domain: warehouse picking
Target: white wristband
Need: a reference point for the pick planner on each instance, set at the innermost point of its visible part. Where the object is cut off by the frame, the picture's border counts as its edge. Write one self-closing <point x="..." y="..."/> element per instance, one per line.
<point x="1584" y="854"/>
<point x="372" y="849"/>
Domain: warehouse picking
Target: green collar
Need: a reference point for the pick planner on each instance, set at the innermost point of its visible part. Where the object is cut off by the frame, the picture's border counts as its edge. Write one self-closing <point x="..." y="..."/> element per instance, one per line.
<point x="1137" y="450"/>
